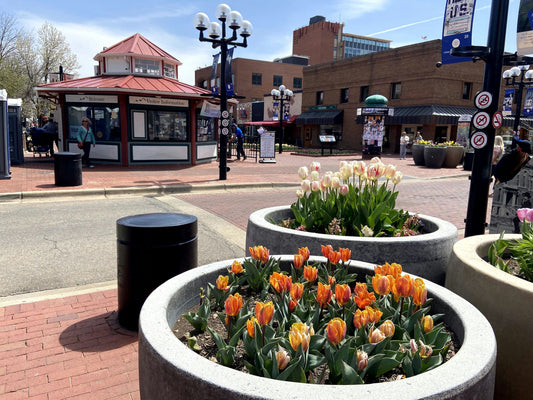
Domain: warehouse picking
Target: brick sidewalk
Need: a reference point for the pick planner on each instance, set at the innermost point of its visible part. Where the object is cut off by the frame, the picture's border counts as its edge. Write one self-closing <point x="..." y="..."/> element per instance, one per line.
<point x="67" y="348"/>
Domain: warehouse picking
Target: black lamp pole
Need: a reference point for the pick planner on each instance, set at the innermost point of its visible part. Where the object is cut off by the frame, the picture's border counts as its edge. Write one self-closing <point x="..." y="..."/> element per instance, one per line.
<point x="282" y="95"/>
<point x="217" y="36"/>
<point x="510" y="80"/>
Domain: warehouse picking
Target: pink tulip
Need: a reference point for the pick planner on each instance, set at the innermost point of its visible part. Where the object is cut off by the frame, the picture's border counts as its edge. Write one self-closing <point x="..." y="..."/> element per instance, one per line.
<point x="344" y="189"/>
<point x="315" y="166"/>
<point x="525" y="214"/>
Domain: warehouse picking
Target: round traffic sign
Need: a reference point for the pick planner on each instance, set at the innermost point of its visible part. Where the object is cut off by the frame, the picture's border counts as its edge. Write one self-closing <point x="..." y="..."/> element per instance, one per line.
<point x="225" y="131"/>
<point x="225" y="122"/>
<point x="497" y="120"/>
<point x="225" y="114"/>
<point x="481" y="120"/>
<point x="478" y="140"/>
<point x="483" y="100"/>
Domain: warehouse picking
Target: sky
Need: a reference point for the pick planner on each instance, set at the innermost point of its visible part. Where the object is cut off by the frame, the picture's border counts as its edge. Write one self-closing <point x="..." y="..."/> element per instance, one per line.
<point x="88" y="27"/>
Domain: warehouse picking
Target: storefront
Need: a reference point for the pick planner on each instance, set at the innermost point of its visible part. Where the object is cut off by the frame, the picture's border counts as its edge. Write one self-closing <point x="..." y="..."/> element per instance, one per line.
<point x="138" y="117"/>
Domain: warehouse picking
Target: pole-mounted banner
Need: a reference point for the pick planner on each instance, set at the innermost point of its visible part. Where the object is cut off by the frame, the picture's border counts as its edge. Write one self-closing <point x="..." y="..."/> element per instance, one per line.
<point x="524" y="28"/>
<point x="214" y="86"/>
<point x="457" y="28"/>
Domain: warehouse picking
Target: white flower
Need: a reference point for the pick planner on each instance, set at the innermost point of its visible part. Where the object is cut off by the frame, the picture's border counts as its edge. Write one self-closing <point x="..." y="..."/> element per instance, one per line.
<point x="366" y="231"/>
<point x="397" y="178"/>
<point x="303" y="172"/>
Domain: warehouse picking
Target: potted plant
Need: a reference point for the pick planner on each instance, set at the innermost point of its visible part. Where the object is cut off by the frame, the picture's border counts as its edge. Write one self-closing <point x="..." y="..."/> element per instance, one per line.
<point x="434" y="155"/>
<point x="341" y="334"/>
<point x="418" y="151"/>
<point x="454" y="154"/>
<point x="336" y="210"/>
<point x="470" y="263"/>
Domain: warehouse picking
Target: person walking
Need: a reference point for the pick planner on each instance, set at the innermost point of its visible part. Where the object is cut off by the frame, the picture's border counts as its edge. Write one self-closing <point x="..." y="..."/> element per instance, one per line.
<point x="404" y="141"/>
<point x="240" y="143"/>
<point x="498" y="150"/>
<point x="85" y="138"/>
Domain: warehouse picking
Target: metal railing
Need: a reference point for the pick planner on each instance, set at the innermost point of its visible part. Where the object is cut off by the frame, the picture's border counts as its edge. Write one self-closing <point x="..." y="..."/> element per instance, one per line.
<point x="250" y="145"/>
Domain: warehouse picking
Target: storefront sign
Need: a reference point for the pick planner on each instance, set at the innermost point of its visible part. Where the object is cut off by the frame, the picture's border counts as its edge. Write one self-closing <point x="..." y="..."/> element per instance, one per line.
<point x="457" y="28"/>
<point x="90" y="98"/>
<point x="374" y="111"/>
<point x="157" y="101"/>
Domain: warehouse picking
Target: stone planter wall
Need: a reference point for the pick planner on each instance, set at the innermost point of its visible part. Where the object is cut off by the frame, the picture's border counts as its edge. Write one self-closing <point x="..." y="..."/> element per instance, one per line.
<point x="424" y="255"/>
<point x="434" y="156"/>
<point x="454" y="156"/>
<point x="418" y="153"/>
<point x="506" y="301"/>
<point x="170" y="370"/>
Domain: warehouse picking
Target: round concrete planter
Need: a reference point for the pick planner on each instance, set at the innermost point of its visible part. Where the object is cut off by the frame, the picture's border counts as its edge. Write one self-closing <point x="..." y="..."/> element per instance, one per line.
<point x="454" y="155"/>
<point x="418" y="153"/>
<point x="434" y="156"/>
<point x="506" y="301"/>
<point x="170" y="370"/>
<point x="425" y="255"/>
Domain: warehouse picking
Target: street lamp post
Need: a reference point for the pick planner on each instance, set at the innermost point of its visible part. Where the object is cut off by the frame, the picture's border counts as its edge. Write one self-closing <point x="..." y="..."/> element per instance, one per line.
<point x="510" y="77"/>
<point x="217" y="36"/>
<point x="282" y="94"/>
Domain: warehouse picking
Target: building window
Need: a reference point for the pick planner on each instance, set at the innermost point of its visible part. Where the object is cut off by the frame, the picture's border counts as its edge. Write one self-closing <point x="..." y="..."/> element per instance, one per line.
<point x="170" y="71"/>
<point x="297" y="83"/>
<point x="363" y="93"/>
<point x="396" y="91"/>
<point x="319" y="98"/>
<point x="277" y="81"/>
<point x="167" y="126"/>
<point x="257" y="79"/>
<point x="105" y="121"/>
<point x="467" y="90"/>
<point x="344" y="95"/>
<point x="150" y="67"/>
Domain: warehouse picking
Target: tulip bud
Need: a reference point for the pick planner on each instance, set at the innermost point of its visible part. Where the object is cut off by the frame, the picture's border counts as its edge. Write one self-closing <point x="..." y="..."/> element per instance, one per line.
<point x="390" y="171"/>
<point x="375" y="335"/>
<point x="427" y="323"/>
<point x="233" y="304"/>
<point x="397" y="178"/>
<point x="250" y="326"/>
<point x="344" y="190"/>
<point x="362" y="360"/>
<point x="236" y="267"/>
<point x="323" y="294"/>
<point x="413" y="345"/>
<point x="264" y="312"/>
<point x="283" y="359"/>
<point x="304" y="252"/>
<point x="310" y="273"/>
<point x="298" y="261"/>
<point x="425" y="351"/>
<point x="222" y="282"/>
<point x="297" y="291"/>
<point x="303" y="172"/>
<point x="343" y="294"/>
<point x="305" y="185"/>
<point x="315" y="186"/>
<point x="346" y="254"/>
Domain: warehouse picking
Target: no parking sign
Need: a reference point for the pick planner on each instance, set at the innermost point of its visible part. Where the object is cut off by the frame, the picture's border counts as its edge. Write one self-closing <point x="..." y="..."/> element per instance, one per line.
<point x="478" y="140"/>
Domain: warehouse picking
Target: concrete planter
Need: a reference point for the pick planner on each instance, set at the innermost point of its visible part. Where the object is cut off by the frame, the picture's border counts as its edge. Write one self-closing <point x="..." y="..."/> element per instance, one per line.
<point x="170" y="370"/>
<point x="434" y="156"/>
<point x="425" y="255"/>
<point x="454" y="156"/>
<point x="418" y="153"/>
<point x="506" y="301"/>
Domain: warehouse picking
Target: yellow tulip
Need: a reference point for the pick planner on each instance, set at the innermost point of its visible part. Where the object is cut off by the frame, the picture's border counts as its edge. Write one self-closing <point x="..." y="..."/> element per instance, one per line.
<point x="427" y="323"/>
<point x="300" y="335"/>
<point x="387" y="328"/>
<point x="336" y="331"/>
<point x="222" y="282"/>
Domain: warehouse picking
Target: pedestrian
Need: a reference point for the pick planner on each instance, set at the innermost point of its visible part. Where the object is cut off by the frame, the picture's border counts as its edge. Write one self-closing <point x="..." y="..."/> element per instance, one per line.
<point x="50" y="128"/>
<point x="498" y="150"/>
<point x="418" y="137"/>
<point x="240" y="143"/>
<point x="510" y="164"/>
<point x="85" y="138"/>
<point x="404" y="141"/>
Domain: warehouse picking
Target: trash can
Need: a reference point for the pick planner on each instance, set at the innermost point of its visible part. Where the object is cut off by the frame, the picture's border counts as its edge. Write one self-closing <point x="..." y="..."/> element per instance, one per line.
<point x="468" y="161"/>
<point x="67" y="169"/>
<point x="151" y="249"/>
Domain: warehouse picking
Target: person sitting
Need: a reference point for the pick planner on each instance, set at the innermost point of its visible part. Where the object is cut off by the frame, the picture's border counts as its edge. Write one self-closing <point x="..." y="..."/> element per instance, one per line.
<point x="510" y="164"/>
<point x="50" y="127"/>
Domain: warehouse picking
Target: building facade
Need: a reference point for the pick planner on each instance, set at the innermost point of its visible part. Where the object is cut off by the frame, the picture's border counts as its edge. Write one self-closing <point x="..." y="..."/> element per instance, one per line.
<point x="140" y="112"/>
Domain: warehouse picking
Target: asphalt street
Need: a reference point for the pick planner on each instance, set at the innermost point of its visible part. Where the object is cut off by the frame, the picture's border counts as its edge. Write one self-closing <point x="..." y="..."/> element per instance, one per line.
<point x="62" y="244"/>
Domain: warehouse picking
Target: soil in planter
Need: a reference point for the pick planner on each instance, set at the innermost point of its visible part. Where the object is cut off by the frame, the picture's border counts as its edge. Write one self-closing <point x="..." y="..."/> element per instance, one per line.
<point x="208" y="349"/>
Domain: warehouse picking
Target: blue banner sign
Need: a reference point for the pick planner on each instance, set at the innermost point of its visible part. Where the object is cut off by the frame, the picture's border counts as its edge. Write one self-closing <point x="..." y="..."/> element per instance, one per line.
<point x="457" y="28"/>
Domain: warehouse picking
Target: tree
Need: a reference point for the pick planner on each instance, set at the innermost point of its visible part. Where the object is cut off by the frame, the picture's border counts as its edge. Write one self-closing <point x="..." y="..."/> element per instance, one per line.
<point x="8" y="36"/>
<point x="54" y="51"/>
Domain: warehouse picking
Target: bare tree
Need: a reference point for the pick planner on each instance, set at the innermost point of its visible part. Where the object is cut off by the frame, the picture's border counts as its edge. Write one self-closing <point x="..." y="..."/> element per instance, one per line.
<point x="54" y="51"/>
<point x="8" y="35"/>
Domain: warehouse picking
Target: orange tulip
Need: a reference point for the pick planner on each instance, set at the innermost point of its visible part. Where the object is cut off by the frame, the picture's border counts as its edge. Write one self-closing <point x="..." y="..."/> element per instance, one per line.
<point x="374" y="315"/>
<point x="233" y="304"/>
<point x="420" y="293"/>
<point x="362" y="297"/>
<point x="427" y="323"/>
<point x="331" y="280"/>
<point x="334" y="257"/>
<point x="292" y="305"/>
<point x="297" y="291"/>
<point x="336" y="331"/>
<point x="403" y="285"/>
<point x="259" y="253"/>
<point x="236" y="267"/>
<point x="280" y="282"/>
<point x="375" y="335"/>
<point x="323" y="294"/>
<point x="381" y="284"/>
<point x="387" y="328"/>
<point x="389" y="269"/>
<point x="310" y="273"/>
<point x="264" y="312"/>
<point x="304" y="252"/>
<point x="298" y="261"/>
<point x="343" y="294"/>
<point x="326" y="250"/>
<point x="300" y="335"/>
<point x="222" y="282"/>
<point x="250" y="326"/>
<point x="360" y="318"/>
<point x="346" y="254"/>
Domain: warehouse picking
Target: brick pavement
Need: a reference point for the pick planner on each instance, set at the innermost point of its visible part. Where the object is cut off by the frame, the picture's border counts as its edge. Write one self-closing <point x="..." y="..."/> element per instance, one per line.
<point x="71" y="347"/>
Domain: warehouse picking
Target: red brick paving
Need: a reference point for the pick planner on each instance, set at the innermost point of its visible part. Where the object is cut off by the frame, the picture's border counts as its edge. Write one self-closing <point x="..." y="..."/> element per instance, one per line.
<point x="73" y="348"/>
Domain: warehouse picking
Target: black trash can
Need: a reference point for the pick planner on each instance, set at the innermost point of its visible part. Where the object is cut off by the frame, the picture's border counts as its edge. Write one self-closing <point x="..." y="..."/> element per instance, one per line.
<point x="67" y="169"/>
<point x="151" y="249"/>
<point x="468" y="161"/>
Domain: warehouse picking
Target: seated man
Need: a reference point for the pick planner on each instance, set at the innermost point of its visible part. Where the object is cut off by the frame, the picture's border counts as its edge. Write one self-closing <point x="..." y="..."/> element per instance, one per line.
<point x="50" y="127"/>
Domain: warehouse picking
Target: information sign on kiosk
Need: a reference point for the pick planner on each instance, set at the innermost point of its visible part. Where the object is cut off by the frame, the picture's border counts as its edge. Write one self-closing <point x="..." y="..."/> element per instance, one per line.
<point x="327" y="139"/>
<point x="267" y="147"/>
